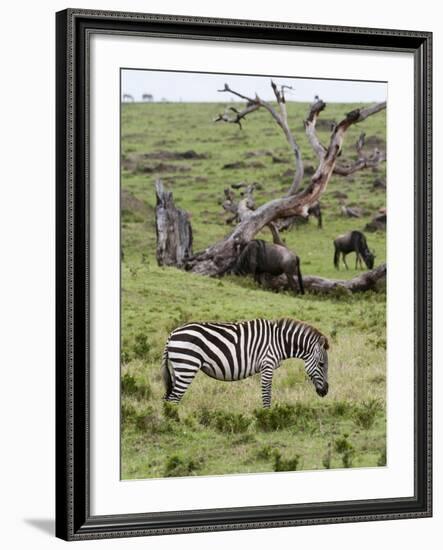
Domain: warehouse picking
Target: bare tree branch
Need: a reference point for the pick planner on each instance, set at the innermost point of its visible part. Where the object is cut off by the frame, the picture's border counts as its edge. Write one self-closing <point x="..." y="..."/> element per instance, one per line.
<point x="310" y="122"/>
<point x="280" y="118"/>
<point x="275" y="234"/>
<point x="363" y="161"/>
<point x="239" y="115"/>
<point x="368" y="111"/>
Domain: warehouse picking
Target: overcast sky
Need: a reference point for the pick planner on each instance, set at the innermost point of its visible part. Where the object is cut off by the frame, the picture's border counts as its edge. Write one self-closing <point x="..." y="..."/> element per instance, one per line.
<point x="188" y="87"/>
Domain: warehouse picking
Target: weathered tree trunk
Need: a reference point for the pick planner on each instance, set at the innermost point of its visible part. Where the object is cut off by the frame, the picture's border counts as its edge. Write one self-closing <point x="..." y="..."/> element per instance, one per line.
<point x="174" y="232"/>
<point x="365" y="281"/>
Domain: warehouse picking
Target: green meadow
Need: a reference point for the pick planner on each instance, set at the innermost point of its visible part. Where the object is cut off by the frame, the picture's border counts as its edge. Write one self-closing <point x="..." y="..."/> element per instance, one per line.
<point x="220" y="427"/>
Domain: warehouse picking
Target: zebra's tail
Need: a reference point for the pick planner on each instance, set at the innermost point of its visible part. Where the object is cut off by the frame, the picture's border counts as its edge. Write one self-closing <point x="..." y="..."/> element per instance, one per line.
<point x="166" y="373"/>
<point x="336" y="257"/>
<point x="300" y="279"/>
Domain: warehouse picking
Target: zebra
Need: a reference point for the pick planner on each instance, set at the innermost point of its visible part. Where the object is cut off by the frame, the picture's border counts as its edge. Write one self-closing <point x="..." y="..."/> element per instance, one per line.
<point x="234" y="351"/>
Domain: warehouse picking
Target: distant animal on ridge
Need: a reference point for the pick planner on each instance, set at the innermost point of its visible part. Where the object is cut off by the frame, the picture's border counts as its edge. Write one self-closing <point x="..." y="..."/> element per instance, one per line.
<point x="234" y="351"/>
<point x="128" y="97"/>
<point x="259" y="257"/>
<point x="353" y="241"/>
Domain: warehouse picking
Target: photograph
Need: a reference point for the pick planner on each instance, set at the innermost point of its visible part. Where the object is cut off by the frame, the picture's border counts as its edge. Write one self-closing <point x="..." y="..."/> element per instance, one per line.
<point x="253" y="253"/>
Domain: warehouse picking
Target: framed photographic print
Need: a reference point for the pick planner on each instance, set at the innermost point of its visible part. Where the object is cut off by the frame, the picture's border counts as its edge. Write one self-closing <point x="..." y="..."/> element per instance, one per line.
<point x="243" y="332"/>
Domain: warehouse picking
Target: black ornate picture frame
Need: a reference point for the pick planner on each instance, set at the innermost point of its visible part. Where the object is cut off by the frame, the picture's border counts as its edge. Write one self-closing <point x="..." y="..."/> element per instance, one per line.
<point x="73" y="518"/>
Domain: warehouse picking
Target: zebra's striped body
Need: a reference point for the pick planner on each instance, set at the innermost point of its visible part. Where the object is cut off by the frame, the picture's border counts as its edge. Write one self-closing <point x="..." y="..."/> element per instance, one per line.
<point x="234" y="351"/>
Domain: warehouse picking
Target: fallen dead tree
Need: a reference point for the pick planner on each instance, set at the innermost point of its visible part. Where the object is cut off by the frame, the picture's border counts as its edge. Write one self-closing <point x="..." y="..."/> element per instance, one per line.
<point x="368" y="280"/>
<point x="220" y="257"/>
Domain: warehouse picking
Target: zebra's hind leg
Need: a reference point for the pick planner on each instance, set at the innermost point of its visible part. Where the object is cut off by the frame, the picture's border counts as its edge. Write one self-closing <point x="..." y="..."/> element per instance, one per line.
<point x="184" y="374"/>
<point x="266" y="384"/>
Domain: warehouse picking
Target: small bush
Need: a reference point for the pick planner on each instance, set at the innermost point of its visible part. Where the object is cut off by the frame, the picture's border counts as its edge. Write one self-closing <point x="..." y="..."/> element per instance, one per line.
<point x="265" y="452"/>
<point x="141" y="346"/>
<point x="285" y="465"/>
<point x="225" y="422"/>
<point x="171" y="411"/>
<point x="347" y="451"/>
<point x="177" y="466"/>
<point x="341" y="408"/>
<point x="306" y="418"/>
<point x="151" y="421"/>
<point x="125" y="356"/>
<point x="131" y="386"/>
<point x="277" y="418"/>
<point x="128" y="383"/>
<point x="366" y="413"/>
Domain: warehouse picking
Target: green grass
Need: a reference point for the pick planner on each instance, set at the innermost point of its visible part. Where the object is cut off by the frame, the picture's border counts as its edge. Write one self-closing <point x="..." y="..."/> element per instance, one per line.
<point x="219" y="428"/>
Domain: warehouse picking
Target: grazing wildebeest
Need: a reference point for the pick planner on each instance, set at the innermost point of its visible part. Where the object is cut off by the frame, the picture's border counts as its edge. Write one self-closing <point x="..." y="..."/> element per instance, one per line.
<point x="259" y="256"/>
<point x="353" y="241"/>
<point x="128" y="97"/>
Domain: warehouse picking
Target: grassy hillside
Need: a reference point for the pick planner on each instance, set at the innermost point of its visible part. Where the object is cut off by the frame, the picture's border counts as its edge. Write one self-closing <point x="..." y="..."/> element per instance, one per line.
<point x="219" y="427"/>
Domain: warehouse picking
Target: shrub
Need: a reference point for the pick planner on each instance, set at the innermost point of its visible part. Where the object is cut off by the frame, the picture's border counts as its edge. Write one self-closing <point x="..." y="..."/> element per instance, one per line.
<point x="265" y="452"/>
<point x="151" y="421"/>
<point x="347" y="451"/>
<point x="341" y="408"/>
<point x="224" y="422"/>
<point x="177" y="466"/>
<point x="171" y="411"/>
<point x="125" y="356"/>
<point x="285" y="465"/>
<point x="277" y="418"/>
<point x="131" y="386"/>
<point x="141" y="346"/>
<point x="366" y="413"/>
<point x="128" y="384"/>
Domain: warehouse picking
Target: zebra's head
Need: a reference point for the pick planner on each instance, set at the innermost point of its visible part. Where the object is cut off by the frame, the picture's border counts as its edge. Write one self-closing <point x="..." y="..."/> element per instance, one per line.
<point x="316" y="366"/>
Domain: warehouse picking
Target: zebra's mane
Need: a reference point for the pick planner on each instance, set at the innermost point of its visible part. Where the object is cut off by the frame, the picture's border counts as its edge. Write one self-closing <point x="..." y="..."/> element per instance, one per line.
<point x="295" y="322"/>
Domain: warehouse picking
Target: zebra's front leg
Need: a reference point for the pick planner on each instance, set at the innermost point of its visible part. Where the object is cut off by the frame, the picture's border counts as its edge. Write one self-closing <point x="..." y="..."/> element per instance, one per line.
<point x="266" y="384"/>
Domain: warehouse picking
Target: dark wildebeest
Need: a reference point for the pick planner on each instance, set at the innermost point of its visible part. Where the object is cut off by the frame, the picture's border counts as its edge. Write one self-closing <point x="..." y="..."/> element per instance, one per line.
<point x="353" y="241"/>
<point x="259" y="256"/>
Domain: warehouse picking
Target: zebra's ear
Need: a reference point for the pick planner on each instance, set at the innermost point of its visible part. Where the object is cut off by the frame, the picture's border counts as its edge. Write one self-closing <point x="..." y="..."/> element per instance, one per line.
<point x="324" y="342"/>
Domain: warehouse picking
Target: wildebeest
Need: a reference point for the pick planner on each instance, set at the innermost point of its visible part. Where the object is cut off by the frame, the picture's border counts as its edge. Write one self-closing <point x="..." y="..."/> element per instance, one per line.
<point x="353" y="241"/>
<point x="259" y="257"/>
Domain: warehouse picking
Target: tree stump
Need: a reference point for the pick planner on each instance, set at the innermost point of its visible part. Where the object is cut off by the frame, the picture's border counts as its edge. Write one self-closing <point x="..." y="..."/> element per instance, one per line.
<point x="173" y="228"/>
